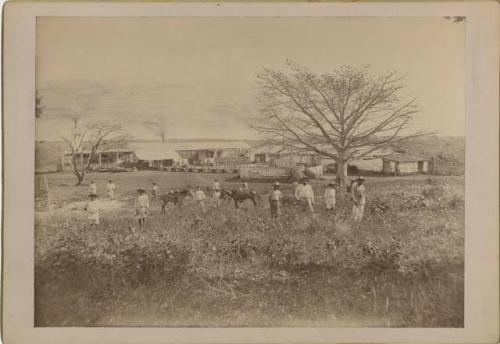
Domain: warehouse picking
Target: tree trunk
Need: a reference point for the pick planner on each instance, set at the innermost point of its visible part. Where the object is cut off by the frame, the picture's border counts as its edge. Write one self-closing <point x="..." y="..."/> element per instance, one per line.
<point x="341" y="175"/>
<point x="80" y="178"/>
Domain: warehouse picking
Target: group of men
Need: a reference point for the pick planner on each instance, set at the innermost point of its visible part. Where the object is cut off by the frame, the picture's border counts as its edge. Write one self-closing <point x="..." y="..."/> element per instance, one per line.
<point x="92" y="207"/>
<point x="304" y="194"/>
<point x="142" y="202"/>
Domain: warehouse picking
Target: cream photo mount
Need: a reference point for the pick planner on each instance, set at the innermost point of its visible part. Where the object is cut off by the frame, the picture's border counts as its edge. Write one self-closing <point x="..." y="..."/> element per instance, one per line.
<point x="482" y="187"/>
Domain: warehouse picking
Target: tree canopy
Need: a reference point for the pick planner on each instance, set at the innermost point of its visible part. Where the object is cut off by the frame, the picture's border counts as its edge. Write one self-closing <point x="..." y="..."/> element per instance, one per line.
<point x="344" y="114"/>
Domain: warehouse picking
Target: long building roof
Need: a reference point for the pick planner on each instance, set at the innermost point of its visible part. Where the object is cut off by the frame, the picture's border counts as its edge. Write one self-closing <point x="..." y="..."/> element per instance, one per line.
<point x="155" y="151"/>
<point x="404" y="157"/>
<point x="209" y="145"/>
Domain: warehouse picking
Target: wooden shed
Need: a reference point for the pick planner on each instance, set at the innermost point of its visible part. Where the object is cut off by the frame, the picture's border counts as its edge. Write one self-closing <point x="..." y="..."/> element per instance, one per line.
<point x="403" y="163"/>
<point x="213" y="153"/>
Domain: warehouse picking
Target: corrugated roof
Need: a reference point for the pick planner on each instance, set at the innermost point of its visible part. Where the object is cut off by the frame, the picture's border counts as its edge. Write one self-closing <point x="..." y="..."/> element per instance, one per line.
<point x="268" y="149"/>
<point x="279" y="149"/>
<point x="103" y="151"/>
<point x="403" y="157"/>
<point x="211" y="145"/>
<point x="155" y="151"/>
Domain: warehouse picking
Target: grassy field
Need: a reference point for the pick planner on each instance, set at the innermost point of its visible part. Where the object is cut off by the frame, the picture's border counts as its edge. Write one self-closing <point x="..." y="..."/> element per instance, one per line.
<point x="402" y="267"/>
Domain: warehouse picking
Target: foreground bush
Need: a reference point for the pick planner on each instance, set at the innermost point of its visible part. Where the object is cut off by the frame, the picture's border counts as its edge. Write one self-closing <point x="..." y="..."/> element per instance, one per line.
<point x="402" y="267"/>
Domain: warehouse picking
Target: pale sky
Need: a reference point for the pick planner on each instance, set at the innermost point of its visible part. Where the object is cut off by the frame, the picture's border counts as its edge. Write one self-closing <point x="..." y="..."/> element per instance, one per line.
<point x="197" y="75"/>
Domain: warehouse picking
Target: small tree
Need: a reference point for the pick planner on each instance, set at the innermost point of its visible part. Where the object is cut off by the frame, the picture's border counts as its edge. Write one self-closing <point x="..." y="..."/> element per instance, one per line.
<point x="344" y="115"/>
<point x="88" y="139"/>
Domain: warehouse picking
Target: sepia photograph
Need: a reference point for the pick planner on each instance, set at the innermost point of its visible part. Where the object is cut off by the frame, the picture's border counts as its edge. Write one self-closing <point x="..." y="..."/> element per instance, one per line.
<point x="250" y="171"/>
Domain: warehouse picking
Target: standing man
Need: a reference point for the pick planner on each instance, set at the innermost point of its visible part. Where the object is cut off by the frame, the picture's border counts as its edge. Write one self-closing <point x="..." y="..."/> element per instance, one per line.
<point x="199" y="197"/>
<point x="92" y="207"/>
<point x="295" y="190"/>
<point x="306" y="195"/>
<point x="216" y="186"/>
<point x="275" y="200"/>
<point x="141" y="206"/>
<point x="244" y="187"/>
<point x="358" y="195"/>
<point x="154" y="193"/>
<point x="93" y="187"/>
<point x="216" y="190"/>
<point x="110" y="190"/>
<point x="330" y="197"/>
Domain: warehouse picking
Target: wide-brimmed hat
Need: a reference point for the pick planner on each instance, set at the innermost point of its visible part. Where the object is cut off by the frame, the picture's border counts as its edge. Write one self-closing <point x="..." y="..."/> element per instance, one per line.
<point x="360" y="178"/>
<point x="92" y="195"/>
<point x="276" y="184"/>
<point x="141" y="189"/>
<point x="331" y="184"/>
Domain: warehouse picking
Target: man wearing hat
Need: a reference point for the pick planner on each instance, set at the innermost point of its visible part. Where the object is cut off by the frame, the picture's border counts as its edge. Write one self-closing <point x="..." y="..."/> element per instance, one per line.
<point x="92" y="207"/>
<point x="295" y="186"/>
<point x="199" y="197"/>
<point x="141" y="206"/>
<point x="330" y="197"/>
<point x="306" y="195"/>
<point x="93" y="187"/>
<point x="275" y="200"/>
<point x="154" y="193"/>
<point x="110" y="190"/>
<point x="244" y="187"/>
<point x="358" y="195"/>
<point x="216" y="185"/>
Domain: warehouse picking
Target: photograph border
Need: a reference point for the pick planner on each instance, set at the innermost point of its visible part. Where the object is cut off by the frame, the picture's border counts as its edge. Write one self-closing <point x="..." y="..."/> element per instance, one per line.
<point x="482" y="185"/>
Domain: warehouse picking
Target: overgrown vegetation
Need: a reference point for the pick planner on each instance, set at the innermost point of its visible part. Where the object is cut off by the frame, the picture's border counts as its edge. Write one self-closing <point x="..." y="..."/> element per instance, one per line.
<point x="402" y="267"/>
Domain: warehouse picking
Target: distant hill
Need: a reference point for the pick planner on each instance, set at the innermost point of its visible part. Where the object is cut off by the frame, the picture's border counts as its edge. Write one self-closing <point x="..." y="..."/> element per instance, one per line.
<point x="446" y="147"/>
<point x="446" y="153"/>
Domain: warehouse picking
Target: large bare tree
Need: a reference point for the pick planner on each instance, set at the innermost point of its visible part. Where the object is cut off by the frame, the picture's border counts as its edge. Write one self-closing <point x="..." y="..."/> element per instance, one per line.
<point x="344" y="115"/>
<point x="88" y="139"/>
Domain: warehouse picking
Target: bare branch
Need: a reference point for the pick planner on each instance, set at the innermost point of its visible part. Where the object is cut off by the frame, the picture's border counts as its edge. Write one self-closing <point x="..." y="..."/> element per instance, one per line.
<point x="89" y="137"/>
<point x="348" y="110"/>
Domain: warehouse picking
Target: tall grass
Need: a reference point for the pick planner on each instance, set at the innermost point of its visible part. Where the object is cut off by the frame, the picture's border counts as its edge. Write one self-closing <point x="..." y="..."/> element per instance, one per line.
<point x="403" y="266"/>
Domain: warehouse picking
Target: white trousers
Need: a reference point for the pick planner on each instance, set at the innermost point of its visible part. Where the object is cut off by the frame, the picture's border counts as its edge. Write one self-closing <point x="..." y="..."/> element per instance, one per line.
<point x="358" y="212"/>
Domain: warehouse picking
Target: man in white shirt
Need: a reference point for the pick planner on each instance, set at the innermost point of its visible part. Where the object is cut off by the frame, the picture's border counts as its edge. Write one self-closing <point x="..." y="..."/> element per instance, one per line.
<point x="93" y="187"/>
<point x="199" y="197"/>
<point x="216" y="192"/>
<point x="275" y="200"/>
<point x="141" y="206"/>
<point x="154" y="193"/>
<point x="110" y="190"/>
<point x="244" y="187"/>
<point x="295" y="190"/>
<point x="358" y="195"/>
<point x="306" y="195"/>
<point x="330" y="197"/>
<point x="92" y="207"/>
<point x="216" y="188"/>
